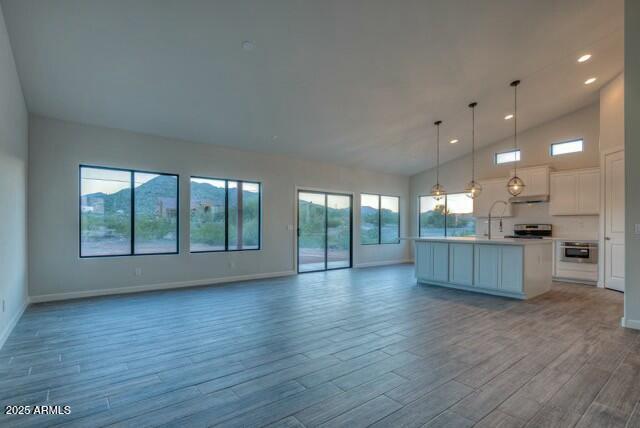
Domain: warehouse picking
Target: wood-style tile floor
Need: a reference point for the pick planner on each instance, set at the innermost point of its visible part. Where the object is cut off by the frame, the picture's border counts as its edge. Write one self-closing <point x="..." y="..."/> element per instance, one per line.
<point x="362" y="347"/>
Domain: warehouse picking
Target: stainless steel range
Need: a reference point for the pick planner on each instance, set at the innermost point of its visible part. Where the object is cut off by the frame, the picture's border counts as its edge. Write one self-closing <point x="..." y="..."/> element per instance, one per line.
<point x="531" y="231"/>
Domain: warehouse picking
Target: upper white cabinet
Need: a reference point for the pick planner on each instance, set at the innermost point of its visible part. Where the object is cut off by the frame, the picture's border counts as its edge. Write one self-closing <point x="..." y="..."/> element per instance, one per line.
<point x="536" y="180"/>
<point x="492" y="190"/>
<point x="575" y="192"/>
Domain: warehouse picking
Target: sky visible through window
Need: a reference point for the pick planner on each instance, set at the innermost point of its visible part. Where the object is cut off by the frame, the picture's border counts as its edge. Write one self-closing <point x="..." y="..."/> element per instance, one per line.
<point x="567" y="147"/>
<point x="506" y="157"/>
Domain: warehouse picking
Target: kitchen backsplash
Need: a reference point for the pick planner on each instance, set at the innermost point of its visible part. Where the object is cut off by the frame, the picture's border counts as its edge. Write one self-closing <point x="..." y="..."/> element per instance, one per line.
<point x="572" y="227"/>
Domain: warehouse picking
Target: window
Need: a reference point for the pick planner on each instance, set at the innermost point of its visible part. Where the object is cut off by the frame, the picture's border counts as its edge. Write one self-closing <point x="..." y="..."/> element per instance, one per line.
<point x="105" y="212"/>
<point x="369" y="219"/>
<point x="431" y="216"/>
<point x="451" y="216"/>
<point x="566" y="147"/>
<point x="389" y="220"/>
<point x="125" y="212"/>
<point x="379" y="219"/>
<point x="459" y="215"/>
<point x="507" y="157"/>
<point x="225" y="215"/>
<point x="208" y="214"/>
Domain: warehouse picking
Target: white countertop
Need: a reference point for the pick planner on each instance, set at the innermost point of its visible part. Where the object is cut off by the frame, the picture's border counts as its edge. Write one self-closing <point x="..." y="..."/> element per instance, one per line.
<point x="572" y="239"/>
<point x="478" y="240"/>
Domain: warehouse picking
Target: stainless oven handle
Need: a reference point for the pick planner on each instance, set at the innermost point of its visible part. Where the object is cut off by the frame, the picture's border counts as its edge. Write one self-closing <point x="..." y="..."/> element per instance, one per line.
<point x="579" y="248"/>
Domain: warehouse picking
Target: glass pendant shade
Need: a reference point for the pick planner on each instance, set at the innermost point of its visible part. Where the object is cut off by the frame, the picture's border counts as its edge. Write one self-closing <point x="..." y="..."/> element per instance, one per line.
<point x="473" y="189"/>
<point x="515" y="186"/>
<point x="438" y="192"/>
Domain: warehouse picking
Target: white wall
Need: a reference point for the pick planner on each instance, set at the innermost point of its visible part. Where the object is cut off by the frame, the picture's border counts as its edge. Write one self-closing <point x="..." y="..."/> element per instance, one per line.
<point x="534" y="145"/>
<point x="632" y="160"/>
<point x="57" y="148"/>
<point x="13" y="188"/>
<point x="612" y="114"/>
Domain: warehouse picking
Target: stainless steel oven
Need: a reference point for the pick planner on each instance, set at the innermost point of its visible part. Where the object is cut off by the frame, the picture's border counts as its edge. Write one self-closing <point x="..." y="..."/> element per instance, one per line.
<point x="579" y="252"/>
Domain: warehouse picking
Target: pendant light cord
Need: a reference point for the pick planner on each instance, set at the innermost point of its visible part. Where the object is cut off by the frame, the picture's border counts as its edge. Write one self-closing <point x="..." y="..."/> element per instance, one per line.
<point x="437" y="123"/>
<point x="515" y="84"/>
<point x="473" y="141"/>
<point x="438" y="155"/>
<point x="515" y="126"/>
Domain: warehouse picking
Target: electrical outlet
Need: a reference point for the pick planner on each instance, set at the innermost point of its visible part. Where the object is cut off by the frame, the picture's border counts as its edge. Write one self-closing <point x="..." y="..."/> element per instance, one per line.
<point x="138" y="271"/>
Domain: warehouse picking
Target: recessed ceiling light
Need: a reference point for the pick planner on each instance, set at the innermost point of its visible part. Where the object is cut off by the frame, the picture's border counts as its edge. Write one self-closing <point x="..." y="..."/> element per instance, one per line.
<point x="508" y="117"/>
<point x="453" y="141"/>
<point x="584" y="58"/>
<point x="248" y="45"/>
<point x="589" y="80"/>
<point x="274" y="138"/>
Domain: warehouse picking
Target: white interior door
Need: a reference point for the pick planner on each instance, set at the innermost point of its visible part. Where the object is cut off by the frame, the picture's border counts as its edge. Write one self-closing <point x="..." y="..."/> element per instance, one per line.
<point x="614" y="221"/>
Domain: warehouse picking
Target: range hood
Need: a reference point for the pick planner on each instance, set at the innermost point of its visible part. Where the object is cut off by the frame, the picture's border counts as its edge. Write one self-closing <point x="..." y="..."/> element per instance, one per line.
<point x="530" y="199"/>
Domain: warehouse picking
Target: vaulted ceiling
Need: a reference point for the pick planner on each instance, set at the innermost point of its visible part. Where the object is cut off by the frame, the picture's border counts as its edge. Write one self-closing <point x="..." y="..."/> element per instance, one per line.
<point x="356" y="82"/>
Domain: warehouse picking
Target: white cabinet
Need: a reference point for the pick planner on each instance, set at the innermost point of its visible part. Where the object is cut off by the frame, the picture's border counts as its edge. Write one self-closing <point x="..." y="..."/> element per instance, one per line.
<point x="575" y="192"/>
<point x="440" y="262"/>
<point x="511" y="269"/>
<point x="432" y="261"/>
<point x="536" y="180"/>
<point x="424" y="261"/>
<point x="589" y="192"/>
<point x="499" y="267"/>
<point x="461" y="264"/>
<point x="487" y="266"/>
<point x="564" y="197"/>
<point x="492" y="190"/>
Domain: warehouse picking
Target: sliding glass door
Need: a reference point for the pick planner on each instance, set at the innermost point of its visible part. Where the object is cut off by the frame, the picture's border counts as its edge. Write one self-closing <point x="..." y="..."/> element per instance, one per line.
<point x="324" y="231"/>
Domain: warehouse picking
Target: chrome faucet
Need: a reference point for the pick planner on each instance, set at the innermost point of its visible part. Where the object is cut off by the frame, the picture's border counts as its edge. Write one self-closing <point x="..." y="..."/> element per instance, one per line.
<point x="501" y="215"/>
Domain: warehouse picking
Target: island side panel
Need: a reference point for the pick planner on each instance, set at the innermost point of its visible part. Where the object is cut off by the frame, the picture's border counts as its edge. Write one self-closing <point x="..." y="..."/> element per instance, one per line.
<point x="538" y="266"/>
<point x="512" y="268"/>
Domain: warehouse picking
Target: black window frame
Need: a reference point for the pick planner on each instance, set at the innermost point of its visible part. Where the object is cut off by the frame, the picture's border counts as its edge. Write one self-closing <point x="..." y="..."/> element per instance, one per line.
<point x="380" y="196"/>
<point x="446" y="216"/>
<point x="495" y="156"/>
<point x="565" y="142"/>
<point x="133" y="212"/>
<point x="226" y="215"/>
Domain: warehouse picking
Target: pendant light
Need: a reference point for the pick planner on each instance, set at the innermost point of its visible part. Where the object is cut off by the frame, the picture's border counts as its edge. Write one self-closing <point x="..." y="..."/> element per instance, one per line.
<point x="437" y="191"/>
<point x="515" y="186"/>
<point x="473" y="189"/>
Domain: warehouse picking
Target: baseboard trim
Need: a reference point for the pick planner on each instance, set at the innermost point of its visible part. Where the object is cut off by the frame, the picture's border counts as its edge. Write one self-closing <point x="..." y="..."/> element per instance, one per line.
<point x="635" y="324"/>
<point x="4" y="334"/>
<point x="154" y="287"/>
<point x="575" y="281"/>
<point x="382" y="263"/>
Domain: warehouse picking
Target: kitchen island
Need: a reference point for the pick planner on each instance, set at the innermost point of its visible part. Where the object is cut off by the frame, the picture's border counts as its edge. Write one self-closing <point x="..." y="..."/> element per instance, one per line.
<point x="517" y="268"/>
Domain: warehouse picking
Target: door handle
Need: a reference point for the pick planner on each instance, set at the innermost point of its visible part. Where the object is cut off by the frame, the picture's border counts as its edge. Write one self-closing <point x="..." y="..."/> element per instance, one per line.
<point x="606" y="238"/>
